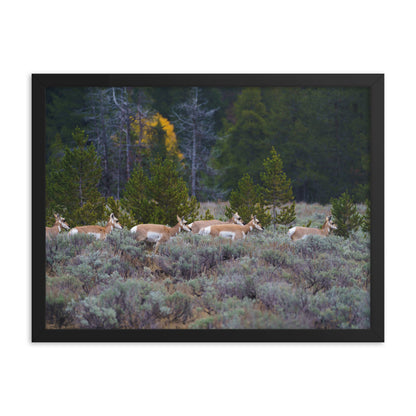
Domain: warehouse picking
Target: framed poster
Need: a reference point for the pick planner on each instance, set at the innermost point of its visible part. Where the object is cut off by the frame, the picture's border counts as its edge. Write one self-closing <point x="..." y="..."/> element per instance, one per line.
<point x="208" y="207"/>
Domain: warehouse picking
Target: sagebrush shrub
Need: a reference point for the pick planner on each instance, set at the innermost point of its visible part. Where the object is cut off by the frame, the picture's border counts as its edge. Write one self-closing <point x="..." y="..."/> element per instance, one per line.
<point x="126" y="304"/>
<point x="276" y="257"/>
<point x="91" y="269"/>
<point x="63" y="248"/>
<point x="204" y="323"/>
<point x="55" y="308"/>
<point x="234" y="313"/>
<point x="236" y="285"/>
<point x="90" y="313"/>
<point x="341" y="308"/>
<point x="192" y="281"/>
<point x="314" y="275"/>
<point x="124" y="243"/>
<point x="282" y="298"/>
<point x="199" y="285"/>
<point x="180" y="307"/>
<point x="60" y="291"/>
<point x="186" y="262"/>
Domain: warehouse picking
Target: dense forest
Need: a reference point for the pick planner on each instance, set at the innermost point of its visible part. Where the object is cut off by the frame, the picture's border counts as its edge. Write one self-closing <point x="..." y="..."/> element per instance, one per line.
<point x="210" y="138"/>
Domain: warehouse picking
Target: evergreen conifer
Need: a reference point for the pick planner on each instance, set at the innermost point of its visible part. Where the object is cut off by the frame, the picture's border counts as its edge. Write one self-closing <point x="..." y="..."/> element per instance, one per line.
<point x="135" y="197"/>
<point x="287" y="214"/>
<point x="160" y="197"/>
<point x="72" y="183"/>
<point x="345" y="215"/>
<point x="277" y="189"/>
<point x="365" y="224"/>
<point x="247" y="200"/>
<point x="124" y="216"/>
<point x="169" y="194"/>
<point x="246" y="142"/>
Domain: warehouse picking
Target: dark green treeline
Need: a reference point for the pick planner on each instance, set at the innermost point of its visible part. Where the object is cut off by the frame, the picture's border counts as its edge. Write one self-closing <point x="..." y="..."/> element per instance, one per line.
<point x="321" y="135"/>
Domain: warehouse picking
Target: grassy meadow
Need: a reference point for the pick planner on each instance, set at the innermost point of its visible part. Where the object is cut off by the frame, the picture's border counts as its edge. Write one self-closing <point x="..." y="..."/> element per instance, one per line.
<point x="198" y="282"/>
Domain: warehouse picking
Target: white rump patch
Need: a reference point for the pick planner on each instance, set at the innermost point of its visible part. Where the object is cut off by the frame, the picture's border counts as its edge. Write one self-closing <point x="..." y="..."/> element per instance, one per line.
<point x="134" y="229"/>
<point x="205" y="231"/>
<point x="96" y="235"/>
<point x="291" y="231"/>
<point x="73" y="231"/>
<point x="190" y="225"/>
<point x="227" y="234"/>
<point x="153" y="237"/>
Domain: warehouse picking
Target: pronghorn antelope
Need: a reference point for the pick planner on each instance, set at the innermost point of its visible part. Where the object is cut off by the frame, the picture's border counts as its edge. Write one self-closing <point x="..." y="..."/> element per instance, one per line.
<point x="158" y="233"/>
<point x="56" y="228"/>
<point x="232" y="231"/>
<point x="297" y="233"/>
<point x="99" y="232"/>
<point x="198" y="226"/>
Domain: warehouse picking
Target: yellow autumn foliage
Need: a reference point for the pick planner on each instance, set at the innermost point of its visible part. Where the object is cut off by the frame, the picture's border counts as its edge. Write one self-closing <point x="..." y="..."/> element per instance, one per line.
<point x="142" y="128"/>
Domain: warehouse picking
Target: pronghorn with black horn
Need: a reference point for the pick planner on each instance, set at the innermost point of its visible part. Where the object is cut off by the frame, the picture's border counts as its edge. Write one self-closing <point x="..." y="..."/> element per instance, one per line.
<point x="232" y="231"/>
<point x="100" y="233"/>
<point x="56" y="228"/>
<point x="158" y="233"/>
<point x="299" y="233"/>
<point x="198" y="226"/>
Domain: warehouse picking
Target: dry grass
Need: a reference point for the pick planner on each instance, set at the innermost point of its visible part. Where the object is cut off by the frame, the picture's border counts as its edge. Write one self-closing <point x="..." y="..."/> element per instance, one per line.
<point x="217" y="209"/>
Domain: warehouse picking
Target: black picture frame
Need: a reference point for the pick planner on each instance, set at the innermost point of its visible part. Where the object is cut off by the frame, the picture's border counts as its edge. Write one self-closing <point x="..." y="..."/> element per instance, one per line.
<point x="375" y="83"/>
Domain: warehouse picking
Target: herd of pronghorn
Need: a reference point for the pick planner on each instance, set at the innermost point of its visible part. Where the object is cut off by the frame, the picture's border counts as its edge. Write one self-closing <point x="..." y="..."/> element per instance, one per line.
<point x="234" y="229"/>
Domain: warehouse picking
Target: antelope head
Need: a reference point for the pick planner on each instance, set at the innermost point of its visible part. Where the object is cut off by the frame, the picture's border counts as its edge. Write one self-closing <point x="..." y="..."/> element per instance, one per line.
<point x="331" y="223"/>
<point x="114" y="222"/>
<point x="182" y="224"/>
<point x="63" y="223"/>
<point x="237" y="219"/>
<point x="256" y="223"/>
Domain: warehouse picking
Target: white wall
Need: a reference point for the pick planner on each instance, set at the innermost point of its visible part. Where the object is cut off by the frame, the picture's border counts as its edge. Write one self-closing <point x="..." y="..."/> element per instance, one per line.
<point x="215" y="36"/>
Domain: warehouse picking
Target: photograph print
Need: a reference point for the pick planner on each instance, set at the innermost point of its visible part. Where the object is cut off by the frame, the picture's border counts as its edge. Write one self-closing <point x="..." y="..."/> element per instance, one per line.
<point x="208" y="208"/>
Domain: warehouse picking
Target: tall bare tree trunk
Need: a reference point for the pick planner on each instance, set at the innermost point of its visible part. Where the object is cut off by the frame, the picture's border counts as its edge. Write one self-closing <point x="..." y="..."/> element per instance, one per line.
<point x="80" y="192"/>
<point x="127" y="152"/>
<point x="193" y="164"/>
<point x="194" y="138"/>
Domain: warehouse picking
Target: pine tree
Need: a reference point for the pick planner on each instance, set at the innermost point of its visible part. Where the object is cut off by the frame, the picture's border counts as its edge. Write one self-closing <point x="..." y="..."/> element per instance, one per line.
<point x="169" y="193"/>
<point x="245" y="142"/>
<point x="287" y="214"/>
<point x="277" y="189"/>
<point x="135" y="197"/>
<point x="207" y="215"/>
<point x="247" y="200"/>
<point x="72" y="184"/>
<point x="160" y="197"/>
<point x="124" y="216"/>
<point x="345" y="215"/>
<point x="366" y="219"/>
<point x="56" y="154"/>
